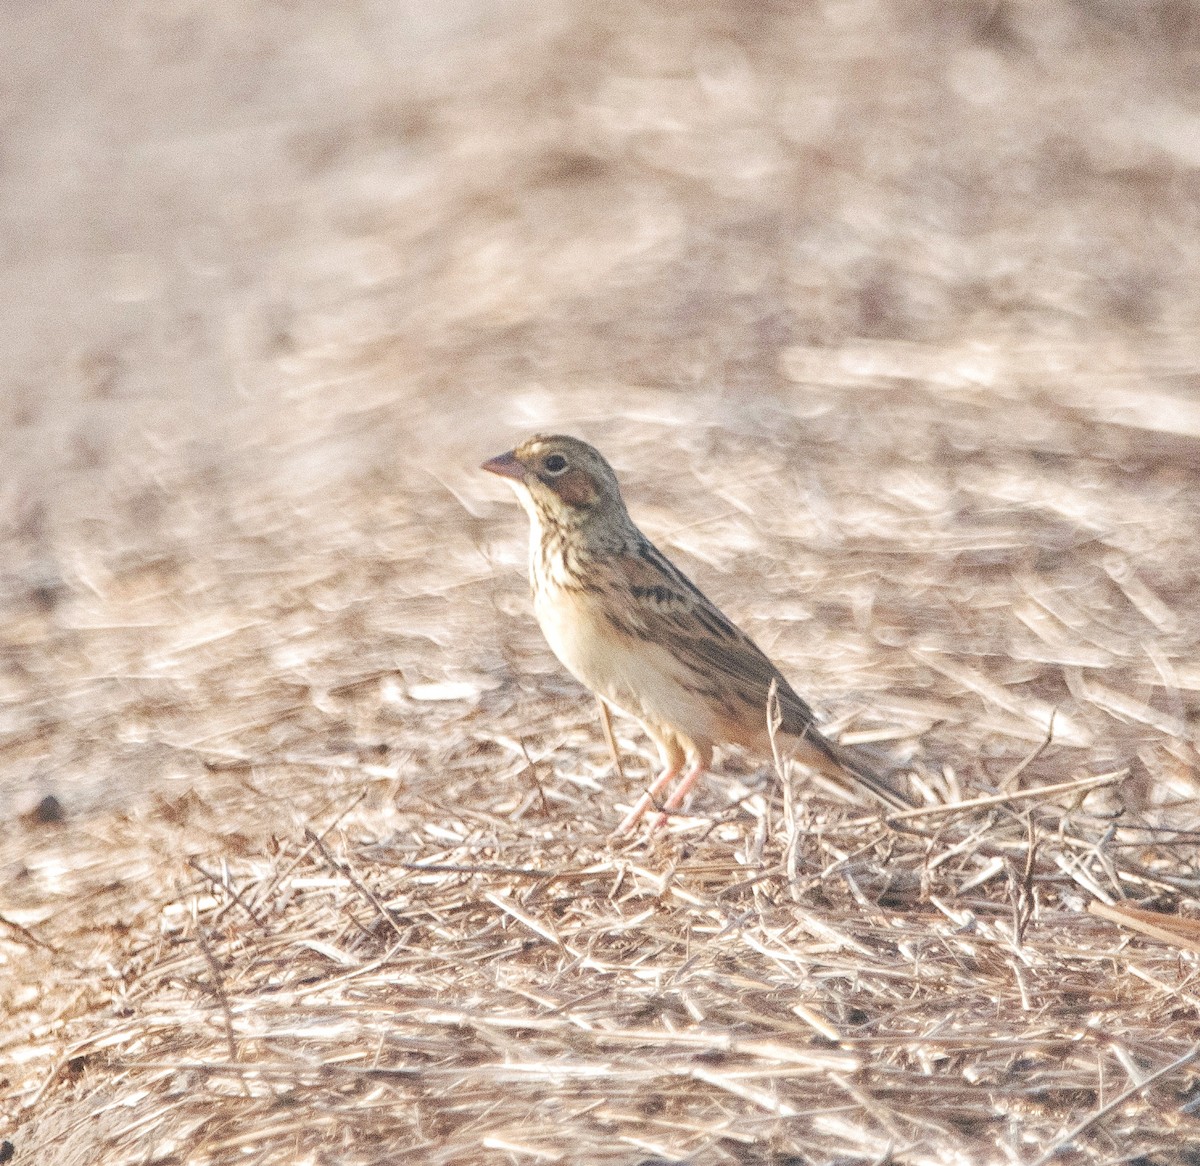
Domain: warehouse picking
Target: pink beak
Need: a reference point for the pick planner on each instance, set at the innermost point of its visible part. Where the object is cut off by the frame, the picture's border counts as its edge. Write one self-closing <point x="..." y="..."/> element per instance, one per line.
<point x="506" y="466"/>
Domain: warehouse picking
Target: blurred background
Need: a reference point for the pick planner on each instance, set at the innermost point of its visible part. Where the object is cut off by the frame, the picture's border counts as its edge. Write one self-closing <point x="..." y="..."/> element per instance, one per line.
<point x="885" y="311"/>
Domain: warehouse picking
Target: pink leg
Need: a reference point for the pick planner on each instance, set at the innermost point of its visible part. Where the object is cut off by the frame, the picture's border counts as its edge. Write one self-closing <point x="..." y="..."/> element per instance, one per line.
<point x="681" y="791"/>
<point x="669" y="774"/>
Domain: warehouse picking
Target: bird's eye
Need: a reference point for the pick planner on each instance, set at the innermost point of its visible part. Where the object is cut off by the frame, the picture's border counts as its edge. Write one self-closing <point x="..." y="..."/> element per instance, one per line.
<point x="555" y="463"/>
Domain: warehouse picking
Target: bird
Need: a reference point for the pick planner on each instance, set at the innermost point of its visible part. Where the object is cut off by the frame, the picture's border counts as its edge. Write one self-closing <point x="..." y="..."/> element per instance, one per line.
<point x="632" y="627"/>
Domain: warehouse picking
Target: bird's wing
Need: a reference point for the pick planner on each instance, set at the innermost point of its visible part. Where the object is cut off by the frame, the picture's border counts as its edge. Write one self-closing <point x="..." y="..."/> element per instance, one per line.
<point x="721" y="661"/>
<point x="719" y="658"/>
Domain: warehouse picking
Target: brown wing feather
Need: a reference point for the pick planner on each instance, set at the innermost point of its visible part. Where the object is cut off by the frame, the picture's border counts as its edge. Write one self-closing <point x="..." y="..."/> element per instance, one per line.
<point x="672" y="610"/>
<point x="724" y="662"/>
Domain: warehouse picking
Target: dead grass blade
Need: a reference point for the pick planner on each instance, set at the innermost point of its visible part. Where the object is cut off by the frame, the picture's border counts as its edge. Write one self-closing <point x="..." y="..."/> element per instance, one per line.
<point x="1172" y="929"/>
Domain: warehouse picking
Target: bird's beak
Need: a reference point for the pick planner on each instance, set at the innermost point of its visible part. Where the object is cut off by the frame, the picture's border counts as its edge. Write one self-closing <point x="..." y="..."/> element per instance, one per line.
<point x="506" y="465"/>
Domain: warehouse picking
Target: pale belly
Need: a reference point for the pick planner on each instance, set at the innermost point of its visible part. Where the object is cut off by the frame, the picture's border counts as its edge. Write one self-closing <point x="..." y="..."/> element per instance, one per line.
<point x="638" y="677"/>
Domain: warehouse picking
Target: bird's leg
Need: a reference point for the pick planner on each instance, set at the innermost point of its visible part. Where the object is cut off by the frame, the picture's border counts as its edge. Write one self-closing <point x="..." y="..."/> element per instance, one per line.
<point x="669" y="774"/>
<point x="610" y="737"/>
<point x="680" y="792"/>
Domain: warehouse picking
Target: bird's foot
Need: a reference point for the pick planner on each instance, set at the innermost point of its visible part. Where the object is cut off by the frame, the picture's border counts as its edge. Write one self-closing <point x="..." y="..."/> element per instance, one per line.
<point x="650" y="798"/>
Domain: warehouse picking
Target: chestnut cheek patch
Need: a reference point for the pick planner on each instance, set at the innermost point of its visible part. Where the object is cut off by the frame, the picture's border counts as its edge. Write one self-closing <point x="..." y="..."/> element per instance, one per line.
<point x="575" y="488"/>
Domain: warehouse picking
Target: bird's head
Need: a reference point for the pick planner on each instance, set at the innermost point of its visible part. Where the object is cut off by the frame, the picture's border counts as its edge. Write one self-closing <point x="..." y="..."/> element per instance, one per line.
<point x="561" y="481"/>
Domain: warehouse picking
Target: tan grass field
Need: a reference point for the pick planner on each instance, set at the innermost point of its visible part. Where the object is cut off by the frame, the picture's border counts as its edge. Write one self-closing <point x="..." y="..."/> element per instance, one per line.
<point x="887" y="316"/>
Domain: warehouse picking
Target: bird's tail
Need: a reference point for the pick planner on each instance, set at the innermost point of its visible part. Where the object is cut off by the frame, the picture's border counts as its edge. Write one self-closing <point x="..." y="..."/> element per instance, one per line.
<point x="841" y="761"/>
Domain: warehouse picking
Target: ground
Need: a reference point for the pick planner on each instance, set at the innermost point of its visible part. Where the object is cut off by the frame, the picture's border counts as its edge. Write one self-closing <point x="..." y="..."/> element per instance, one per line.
<point x="886" y="315"/>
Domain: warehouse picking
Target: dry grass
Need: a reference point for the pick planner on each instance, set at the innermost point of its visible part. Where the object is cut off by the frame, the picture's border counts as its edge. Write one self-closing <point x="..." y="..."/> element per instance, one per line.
<point x="487" y="981"/>
<point x="886" y="314"/>
<point x="401" y="975"/>
<point x="369" y="911"/>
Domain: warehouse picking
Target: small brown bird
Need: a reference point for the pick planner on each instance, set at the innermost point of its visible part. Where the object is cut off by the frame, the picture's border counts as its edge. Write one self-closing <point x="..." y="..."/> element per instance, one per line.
<point x="634" y="629"/>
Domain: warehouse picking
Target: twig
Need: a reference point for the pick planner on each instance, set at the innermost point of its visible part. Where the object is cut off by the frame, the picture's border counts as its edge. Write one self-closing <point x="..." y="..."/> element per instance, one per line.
<point x="537" y="781"/>
<point x="344" y="868"/>
<point x="523" y="917"/>
<point x="28" y="935"/>
<point x="218" y="988"/>
<point x="1005" y="782"/>
<point x="783" y="774"/>
<point x="1000" y="799"/>
<point x="611" y="738"/>
<point x="1022" y="893"/>
<point x="235" y="896"/>
<point x="485" y="869"/>
<point x="1170" y="929"/>
<point x="261" y="898"/>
